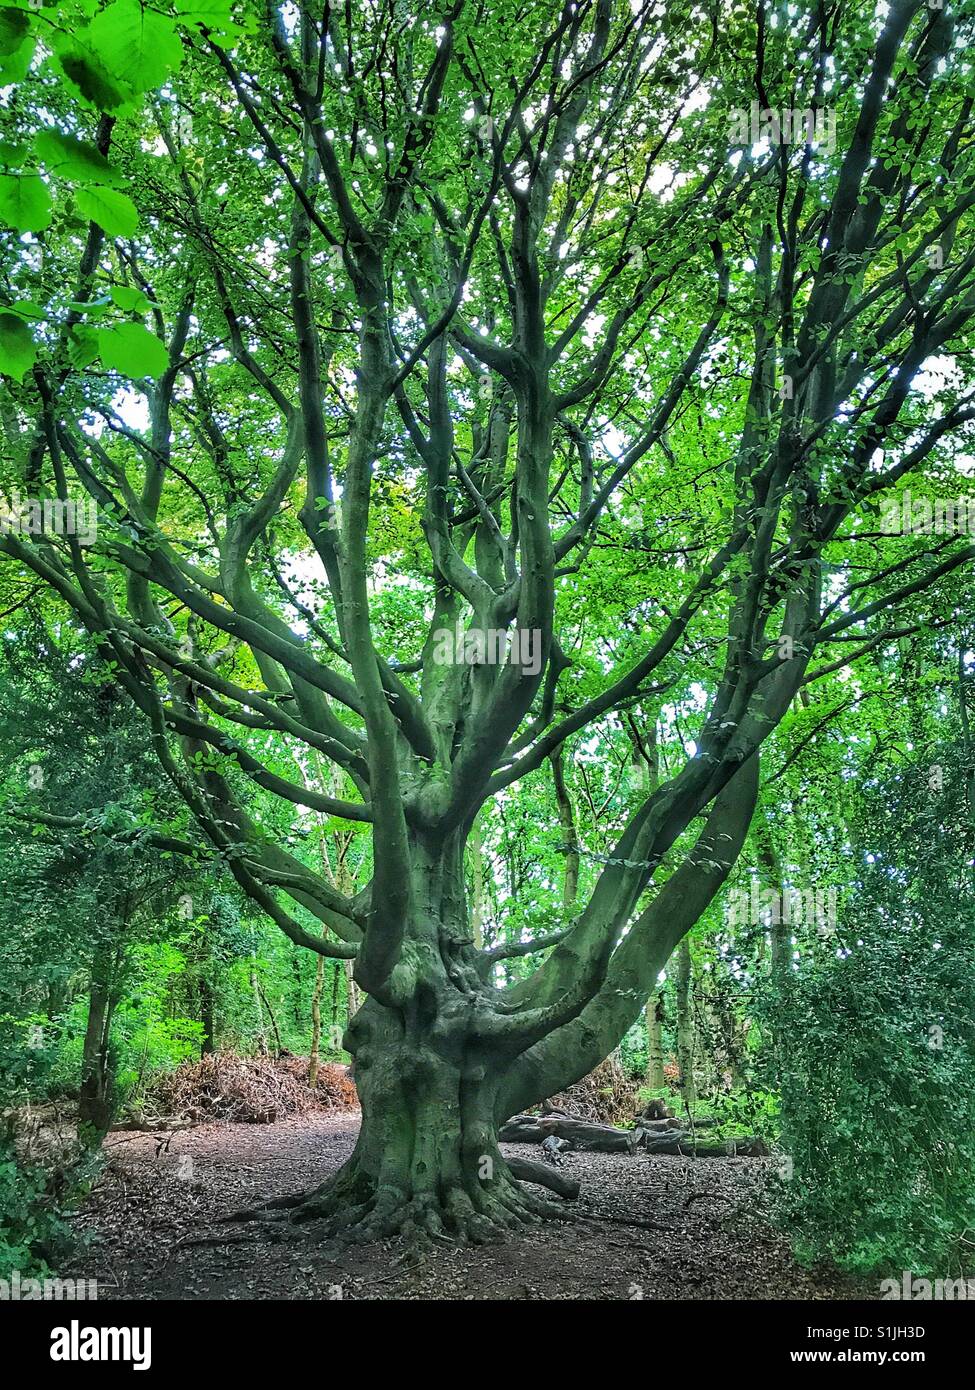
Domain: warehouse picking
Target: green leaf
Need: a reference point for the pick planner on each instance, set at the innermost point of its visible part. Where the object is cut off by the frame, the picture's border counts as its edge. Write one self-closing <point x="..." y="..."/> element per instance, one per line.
<point x="90" y="306"/>
<point x="131" y="300"/>
<point x="113" y="211"/>
<point x="132" y="350"/>
<point x="209" y="14"/>
<point x="25" y="202"/>
<point x="17" y="350"/>
<point x="215" y="17"/>
<point x="14" y="27"/>
<point x="25" y="309"/>
<point x="136" y="45"/>
<point x="11" y="154"/>
<point x="17" y="45"/>
<point x="83" y="346"/>
<point x="74" y="159"/>
<point x="87" y="75"/>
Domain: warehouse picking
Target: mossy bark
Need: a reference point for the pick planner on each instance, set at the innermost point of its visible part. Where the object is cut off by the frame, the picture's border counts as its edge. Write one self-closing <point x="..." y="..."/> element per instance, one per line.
<point x="426" y="1164"/>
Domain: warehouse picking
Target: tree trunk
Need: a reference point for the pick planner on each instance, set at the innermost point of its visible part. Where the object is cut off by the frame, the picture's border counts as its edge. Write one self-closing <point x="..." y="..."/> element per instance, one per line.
<point x="258" y="1011"/>
<point x="352" y="995"/>
<point x="426" y="1163"/>
<point x="581" y="1134"/>
<point x="570" y="847"/>
<point x="207" y="1042"/>
<point x="685" y="1026"/>
<point x="780" y="932"/>
<point x="655" y="1041"/>
<point x="316" y="1022"/>
<point x="646" y="769"/>
<point x="279" y="1048"/>
<point x="96" y="1098"/>
<point x="438" y="1068"/>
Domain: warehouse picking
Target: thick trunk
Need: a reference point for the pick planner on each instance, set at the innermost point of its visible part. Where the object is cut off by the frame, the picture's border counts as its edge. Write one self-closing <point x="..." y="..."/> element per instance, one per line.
<point x="438" y="1070"/>
<point x="426" y="1164"/>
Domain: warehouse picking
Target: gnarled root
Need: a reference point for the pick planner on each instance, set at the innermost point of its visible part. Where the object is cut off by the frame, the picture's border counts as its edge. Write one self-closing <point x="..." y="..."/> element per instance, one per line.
<point x="346" y="1210"/>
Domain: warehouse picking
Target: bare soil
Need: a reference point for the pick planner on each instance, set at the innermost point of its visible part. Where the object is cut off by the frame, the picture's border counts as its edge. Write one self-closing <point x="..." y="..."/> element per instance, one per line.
<point x="644" y="1227"/>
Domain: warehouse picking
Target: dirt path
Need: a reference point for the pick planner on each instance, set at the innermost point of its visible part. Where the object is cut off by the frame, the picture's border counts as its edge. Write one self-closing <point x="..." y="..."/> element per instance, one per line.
<point x="712" y="1241"/>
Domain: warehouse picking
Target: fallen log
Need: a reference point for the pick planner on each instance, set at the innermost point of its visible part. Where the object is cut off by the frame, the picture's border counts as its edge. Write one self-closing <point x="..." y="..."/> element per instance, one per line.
<point x="685" y="1146"/>
<point x="532" y="1129"/>
<point x="657" y="1137"/>
<point x="140" y="1124"/>
<point x="526" y="1170"/>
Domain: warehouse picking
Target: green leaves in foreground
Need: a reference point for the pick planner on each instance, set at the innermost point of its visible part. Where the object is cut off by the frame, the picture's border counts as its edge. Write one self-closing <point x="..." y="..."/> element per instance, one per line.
<point x="114" y="212"/>
<point x="17" y="350"/>
<point x="74" y="159"/>
<point x="128" y="348"/>
<point x="25" y="195"/>
<point x="132" y="350"/>
<point x="25" y="202"/>
<point x="125" y="51"/>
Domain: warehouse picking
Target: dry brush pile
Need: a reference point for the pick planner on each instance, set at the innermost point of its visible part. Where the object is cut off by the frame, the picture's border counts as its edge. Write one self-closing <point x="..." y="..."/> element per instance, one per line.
<point x="249" y="1090"/>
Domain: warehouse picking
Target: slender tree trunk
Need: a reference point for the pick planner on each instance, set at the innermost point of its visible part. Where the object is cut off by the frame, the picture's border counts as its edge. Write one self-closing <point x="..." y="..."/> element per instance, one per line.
<point x="780" y="932"/>
<point x="316" y="1022"/>
<point x="685" y="1025"/>
<point x="96" y="1098"/>
<point x="336" y="976"/>
<point x="208" y="1041"/>
<point x="353" y="994"/>
<point x="646" y="768"/>
<point x="262" y="1046"/>
<point x="570" y="883"/>
<point x="270" y="1013"/>
<point x="655" y="1042"/>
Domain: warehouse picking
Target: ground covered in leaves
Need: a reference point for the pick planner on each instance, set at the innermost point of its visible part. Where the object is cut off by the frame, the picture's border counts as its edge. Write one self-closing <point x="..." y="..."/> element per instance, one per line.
<point x="644" y="1227"/>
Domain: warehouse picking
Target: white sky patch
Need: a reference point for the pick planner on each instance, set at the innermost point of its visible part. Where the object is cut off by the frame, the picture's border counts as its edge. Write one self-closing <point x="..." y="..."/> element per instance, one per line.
<point x="132" y="408"/>
<point x="666" y="180"/>
<point x="593" y="329"/>
<point x="937" y="373"/>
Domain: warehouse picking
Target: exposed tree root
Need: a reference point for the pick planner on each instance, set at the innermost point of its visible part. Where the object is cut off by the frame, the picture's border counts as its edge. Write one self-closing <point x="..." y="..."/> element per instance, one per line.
<point x="339" y="1214"/>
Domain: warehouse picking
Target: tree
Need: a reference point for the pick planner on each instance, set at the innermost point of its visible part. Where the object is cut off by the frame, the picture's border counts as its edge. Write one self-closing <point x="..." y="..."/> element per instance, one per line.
<point x="81" y="878"/>
<point x="447" y="313"/>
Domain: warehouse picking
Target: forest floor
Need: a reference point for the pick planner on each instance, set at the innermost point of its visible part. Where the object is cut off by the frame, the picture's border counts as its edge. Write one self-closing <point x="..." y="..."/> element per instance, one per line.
<point x="699" y="1228"/>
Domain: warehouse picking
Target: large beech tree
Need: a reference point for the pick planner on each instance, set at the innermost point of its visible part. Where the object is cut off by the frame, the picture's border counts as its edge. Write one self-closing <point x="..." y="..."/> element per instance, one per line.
<point x="423" y="313"/>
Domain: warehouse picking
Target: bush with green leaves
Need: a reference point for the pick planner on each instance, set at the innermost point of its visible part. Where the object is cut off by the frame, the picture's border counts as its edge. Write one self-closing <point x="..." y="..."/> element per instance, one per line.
<point x="33" y="1232"/>
<point x="872" y="1046"/>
